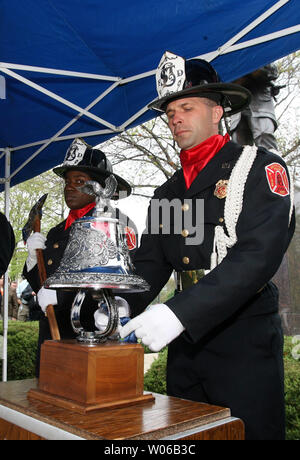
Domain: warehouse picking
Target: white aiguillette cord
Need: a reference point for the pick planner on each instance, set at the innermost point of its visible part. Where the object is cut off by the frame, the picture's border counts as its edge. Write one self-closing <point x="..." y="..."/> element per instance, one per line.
<point x="233" y="205"/>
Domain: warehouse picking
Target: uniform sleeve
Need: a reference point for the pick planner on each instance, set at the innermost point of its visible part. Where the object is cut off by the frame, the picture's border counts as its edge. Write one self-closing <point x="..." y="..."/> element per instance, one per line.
<point x="151" y="265"/>
<point x="32" y="277"/>
<point x="263" y="235"/>
<point x="7" y="244"/>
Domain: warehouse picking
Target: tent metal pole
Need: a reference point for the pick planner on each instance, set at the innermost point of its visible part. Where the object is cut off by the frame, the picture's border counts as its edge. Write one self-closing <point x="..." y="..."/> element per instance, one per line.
<point x="57" y="138"/>
<point x="63" y="138"/>
<point x="254" y="41"/>
<point x="227" y="47"/>
<point x="263" y="39"/>
<point x="252" y="25"/>
<point x="134" y="117"/>
<point x="64" y="128"/>
<point x="5" y="298"/>
<point x="67" y="73"/>
<point x="124" y="81"/>
<point x="57" y="98"/>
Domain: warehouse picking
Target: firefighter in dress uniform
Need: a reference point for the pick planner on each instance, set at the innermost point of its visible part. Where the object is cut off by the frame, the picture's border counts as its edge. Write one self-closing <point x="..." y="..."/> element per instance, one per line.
<point x="224" y="336"/>
<point x="82" y="163"/>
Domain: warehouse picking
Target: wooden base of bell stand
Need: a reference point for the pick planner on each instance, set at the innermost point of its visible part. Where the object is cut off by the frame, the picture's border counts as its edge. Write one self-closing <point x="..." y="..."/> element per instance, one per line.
<point x="95" y="392"/>
<point x="166" y="419"/>
<point x="85" y="378"/>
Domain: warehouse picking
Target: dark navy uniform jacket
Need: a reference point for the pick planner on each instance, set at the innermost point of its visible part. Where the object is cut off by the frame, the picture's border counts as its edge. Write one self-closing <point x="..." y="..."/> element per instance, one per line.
<point x="7" y="243"/>
<point x="263" y="235"/>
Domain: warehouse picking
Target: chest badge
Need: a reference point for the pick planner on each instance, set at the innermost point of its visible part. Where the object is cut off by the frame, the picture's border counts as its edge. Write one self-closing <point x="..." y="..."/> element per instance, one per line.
<point x="221" y="189"/>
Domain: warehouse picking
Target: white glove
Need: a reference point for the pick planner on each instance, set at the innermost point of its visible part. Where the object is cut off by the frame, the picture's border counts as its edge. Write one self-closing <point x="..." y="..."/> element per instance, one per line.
<point x="101" y="319"/>
<point x="157" y="326"/>
<point x="46" y="297"/>
<point x="34" y="242"/>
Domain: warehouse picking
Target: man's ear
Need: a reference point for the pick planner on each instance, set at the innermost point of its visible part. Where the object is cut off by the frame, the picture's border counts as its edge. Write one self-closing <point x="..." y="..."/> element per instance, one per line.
<point x="217" y="113"/>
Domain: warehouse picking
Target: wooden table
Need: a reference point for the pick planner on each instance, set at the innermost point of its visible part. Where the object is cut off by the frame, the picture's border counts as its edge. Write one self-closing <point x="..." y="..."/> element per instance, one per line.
<point x="165" y="419"/>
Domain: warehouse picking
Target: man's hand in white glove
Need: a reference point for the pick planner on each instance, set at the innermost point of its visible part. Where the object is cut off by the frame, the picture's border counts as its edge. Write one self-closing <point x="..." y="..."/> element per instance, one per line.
<point x="46" y="297"/>
<point x="34" y="242"/>
<point x="101" y="318"/>
<point x="157" y="327"/>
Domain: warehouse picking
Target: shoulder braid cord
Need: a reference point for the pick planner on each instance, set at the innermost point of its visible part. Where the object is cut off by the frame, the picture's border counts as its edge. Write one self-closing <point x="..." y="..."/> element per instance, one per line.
<point x="234" y="204"/>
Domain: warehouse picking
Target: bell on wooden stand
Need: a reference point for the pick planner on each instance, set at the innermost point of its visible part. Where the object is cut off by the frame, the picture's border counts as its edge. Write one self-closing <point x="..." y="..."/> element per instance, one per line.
<point x="96" y="372"/>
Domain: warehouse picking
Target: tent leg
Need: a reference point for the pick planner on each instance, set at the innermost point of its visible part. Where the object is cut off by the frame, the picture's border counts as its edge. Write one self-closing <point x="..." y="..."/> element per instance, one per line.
<point x="5" y="299"/>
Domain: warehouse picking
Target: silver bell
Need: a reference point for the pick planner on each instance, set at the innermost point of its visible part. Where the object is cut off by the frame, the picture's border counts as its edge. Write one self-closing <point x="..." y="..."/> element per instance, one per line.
<point x="97" y="259"/>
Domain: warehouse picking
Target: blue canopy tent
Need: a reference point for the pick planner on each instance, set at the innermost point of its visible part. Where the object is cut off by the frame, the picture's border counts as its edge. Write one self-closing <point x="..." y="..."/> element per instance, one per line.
<point x="86" y="68"/>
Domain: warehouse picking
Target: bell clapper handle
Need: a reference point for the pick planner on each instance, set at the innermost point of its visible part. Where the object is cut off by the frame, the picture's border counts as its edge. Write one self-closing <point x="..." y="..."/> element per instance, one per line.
<point x="103" y="295"/>
<point x="113" y="313"/>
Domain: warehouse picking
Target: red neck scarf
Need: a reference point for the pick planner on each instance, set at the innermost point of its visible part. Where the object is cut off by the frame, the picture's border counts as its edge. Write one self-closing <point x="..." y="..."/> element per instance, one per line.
<point x="75" y="214"/>
<point x="195" y="159"/>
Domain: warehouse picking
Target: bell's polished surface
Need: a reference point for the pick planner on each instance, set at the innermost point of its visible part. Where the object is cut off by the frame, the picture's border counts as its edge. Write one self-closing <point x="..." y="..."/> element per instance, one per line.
<point x="97" y="257"/>
<point x="97" y="260"/>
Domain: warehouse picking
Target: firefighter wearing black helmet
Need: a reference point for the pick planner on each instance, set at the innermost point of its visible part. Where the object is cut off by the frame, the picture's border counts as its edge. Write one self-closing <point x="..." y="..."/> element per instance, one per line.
<point x="222" y="328"/>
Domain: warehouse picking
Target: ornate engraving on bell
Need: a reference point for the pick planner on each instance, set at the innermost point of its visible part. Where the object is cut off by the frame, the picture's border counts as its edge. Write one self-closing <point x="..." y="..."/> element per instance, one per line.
<point x="88" y="248"/>
<point x="97" y="258"/>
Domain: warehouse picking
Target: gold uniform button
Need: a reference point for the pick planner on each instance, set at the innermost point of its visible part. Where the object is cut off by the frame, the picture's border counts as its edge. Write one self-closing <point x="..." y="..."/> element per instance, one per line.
<point x="160" y="225"/>
<point x="50" y="262"/>
<point x="185" y="207"/>
<point x="186" y="260"/>
<point x="221" y="219"/>
<point x="56" y="245"/>
<point x="185" y="233"/>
